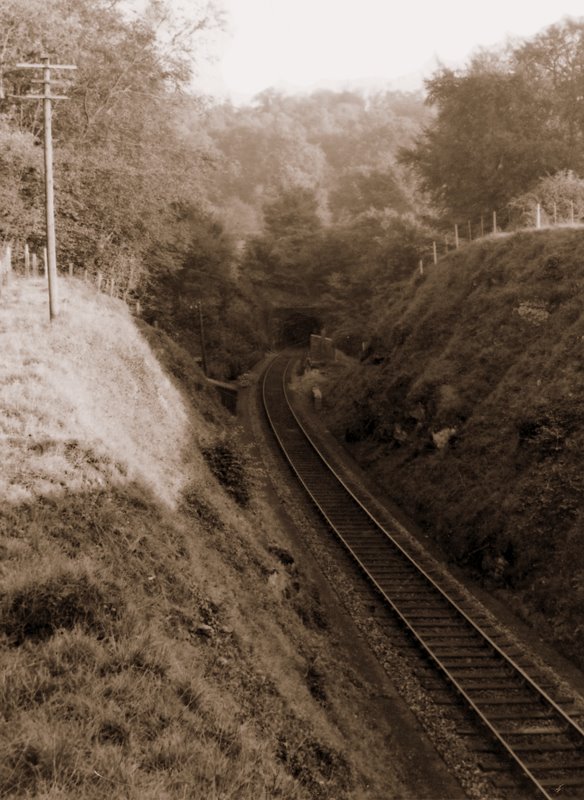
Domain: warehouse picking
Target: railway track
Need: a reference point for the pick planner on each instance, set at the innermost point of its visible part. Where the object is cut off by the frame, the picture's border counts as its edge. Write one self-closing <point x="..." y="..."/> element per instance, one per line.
<point x="534" y="730"/>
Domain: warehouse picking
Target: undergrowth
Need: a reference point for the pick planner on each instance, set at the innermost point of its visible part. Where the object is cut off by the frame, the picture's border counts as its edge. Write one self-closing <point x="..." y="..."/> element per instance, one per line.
<point x="227" y="464"/>
<point x="467" y="409"/>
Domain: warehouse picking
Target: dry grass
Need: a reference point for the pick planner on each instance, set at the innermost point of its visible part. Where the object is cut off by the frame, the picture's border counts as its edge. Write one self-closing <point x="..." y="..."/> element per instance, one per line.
<point x="80" y="411"/>
<point x="146" y="653"/>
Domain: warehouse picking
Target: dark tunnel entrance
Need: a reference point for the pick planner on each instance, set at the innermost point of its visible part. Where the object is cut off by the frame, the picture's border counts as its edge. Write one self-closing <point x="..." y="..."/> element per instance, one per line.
<point x="292" y="327"/>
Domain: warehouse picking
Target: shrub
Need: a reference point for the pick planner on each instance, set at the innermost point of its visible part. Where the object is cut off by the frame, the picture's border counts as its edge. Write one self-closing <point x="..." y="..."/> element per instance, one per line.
<point x="35" y="610"/>
<point x="228" y="466"/>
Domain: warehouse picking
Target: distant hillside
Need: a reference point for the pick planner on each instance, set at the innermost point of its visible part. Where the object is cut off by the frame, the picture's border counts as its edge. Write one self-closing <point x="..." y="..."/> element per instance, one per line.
<point x="468" y="409"/>
<point x="340" y="145"/>
<point x="158" y="641"/>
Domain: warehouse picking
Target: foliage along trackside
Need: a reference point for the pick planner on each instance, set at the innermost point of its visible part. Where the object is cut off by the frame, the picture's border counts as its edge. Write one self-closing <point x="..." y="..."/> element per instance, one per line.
<point x="467" y="408"/>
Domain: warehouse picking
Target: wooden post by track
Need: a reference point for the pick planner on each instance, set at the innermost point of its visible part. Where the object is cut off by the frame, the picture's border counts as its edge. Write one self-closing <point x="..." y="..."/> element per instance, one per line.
<point x="203" y="345"/>
<point x="47" y="97"/>
<point x="2" y="270"/>
<point x="8" y="263"/>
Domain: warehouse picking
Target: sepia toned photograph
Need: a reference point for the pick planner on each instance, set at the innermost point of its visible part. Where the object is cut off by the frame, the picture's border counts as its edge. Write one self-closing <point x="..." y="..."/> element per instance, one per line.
<point x="291" y="400"/>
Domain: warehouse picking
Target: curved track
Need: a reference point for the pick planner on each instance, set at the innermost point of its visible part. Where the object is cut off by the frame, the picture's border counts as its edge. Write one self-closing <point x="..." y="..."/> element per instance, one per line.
<point x="526" y="717"/>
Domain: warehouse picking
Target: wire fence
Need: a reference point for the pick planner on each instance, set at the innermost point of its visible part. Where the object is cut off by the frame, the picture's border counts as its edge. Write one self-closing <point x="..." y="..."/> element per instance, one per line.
<point x="512" y="218"/>
<point x="25" y="262"/>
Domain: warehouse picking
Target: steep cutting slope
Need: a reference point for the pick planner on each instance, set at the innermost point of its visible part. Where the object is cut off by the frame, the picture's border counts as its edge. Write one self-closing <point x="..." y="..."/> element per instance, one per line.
<point x="469" y="411"/>
<point x="157" y="639"/>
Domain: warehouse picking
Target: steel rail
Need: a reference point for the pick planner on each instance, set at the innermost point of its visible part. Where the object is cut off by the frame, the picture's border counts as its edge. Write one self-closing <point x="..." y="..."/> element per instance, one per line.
<point x="421" y="571"/>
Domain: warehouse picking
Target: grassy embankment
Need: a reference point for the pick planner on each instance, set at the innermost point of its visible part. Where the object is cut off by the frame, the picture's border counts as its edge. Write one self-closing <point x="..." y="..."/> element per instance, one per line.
<point x="156" y="639"/>
<point x="469" y="411"/>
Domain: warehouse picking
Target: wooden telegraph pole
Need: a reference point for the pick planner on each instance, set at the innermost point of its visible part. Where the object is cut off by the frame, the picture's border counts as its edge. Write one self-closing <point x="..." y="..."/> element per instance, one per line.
<point x="47" y="98"/>
<point x="203" y="345"/>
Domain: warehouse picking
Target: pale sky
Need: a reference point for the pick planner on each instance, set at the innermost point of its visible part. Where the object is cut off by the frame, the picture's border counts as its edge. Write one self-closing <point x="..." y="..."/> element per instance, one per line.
<point x="301" y="44"/>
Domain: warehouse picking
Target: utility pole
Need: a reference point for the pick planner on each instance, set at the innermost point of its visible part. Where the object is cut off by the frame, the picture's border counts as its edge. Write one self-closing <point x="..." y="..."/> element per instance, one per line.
<point x="203" y="346"/>
<point x="47" y="98"/>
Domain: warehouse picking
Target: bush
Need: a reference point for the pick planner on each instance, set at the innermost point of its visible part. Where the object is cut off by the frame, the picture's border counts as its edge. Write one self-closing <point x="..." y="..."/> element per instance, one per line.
<point x="228" y="466"/>
<point x="36" y="610"/>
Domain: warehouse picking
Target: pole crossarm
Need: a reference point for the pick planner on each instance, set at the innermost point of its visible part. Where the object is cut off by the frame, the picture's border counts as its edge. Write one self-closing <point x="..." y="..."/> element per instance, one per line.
<point x="42" y="66"/>
<point x="42" y="97"/>
<point x="53" y="83"/>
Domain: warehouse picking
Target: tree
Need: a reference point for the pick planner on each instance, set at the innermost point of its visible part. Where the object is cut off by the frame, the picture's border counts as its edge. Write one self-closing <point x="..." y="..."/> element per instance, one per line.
<point x="363" y="189"/>
<point x="487" y="142"/>
<point x="560" y="196"/>
<point x="334" y="144"/>
<point x="284" y="257"/>
<point x="21" y="208"/>
<point x="196" y="265"/>
<point x="122" y="155"/>
<point x="553" y="65"/>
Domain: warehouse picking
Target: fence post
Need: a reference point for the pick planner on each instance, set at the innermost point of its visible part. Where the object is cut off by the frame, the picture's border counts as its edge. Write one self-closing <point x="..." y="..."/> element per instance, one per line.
<point x="35" y="266"/>
<point x="26" y="260"/>
<point x="421" y="267"/>
<point x="456" y="236"/>
<point x="99" y="280"/>
<point x="494" y="222"/>
<point x="70" y="269"/>
<point x="555" y="213"/>
<point x="8" y="263"/>
<point x="435" y="252"/>
<point x="538" y="216"/>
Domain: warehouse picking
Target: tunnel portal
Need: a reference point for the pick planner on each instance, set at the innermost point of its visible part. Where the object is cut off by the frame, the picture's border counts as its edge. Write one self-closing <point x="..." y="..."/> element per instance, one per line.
<point x="291" y="327"/>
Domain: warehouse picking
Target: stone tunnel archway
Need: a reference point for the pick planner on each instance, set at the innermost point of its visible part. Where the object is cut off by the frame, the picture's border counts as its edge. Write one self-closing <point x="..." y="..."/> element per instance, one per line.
<point x="291" y="327"/>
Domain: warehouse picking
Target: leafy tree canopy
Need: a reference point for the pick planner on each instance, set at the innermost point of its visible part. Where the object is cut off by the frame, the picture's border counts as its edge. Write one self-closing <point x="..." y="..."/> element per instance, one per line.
<point x="510" y="117"/>
<point x="121" y="153"/>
